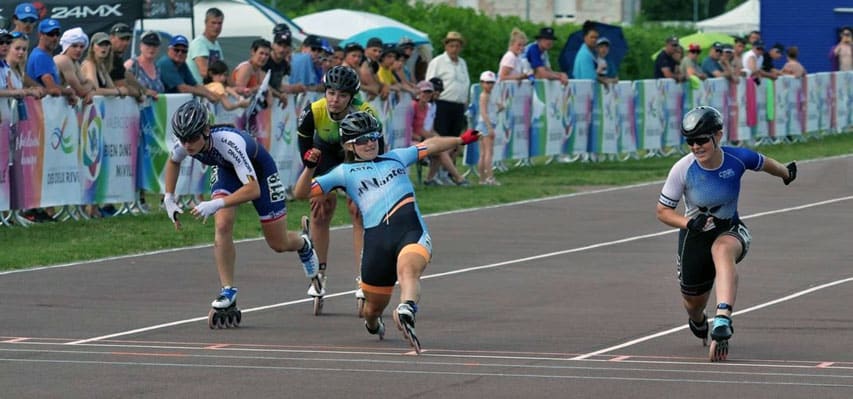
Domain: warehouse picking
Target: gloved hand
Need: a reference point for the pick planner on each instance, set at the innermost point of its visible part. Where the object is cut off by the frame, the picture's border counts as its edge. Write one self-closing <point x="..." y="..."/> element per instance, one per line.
<point x="698" y="223"/>
<point x="311" y="158"/>
<point x="208" y="208"/>
<point x="470" y="136"/>
<point x="792" y="173"/>
<point x="172" y="207"/>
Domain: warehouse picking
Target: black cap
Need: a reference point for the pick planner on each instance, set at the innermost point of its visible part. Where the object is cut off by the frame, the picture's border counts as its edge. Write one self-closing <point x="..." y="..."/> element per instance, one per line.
<point x="374" y="42"/>
<point x="150" y="38"/>
<point x="672" y="40"/>
<point x="437" y="83"/>
<point x="718" y="46"/>
<point x="121" y="30"/>
<point x="350" y="47"/>
<point x="546" y="33"/>
<point x="312" y="41"/>
<point x="282" y="37"/>
<point x="280" y="28"/>
<point x="390" y="48"/>
<point x="758" y="44"/>
<point x="779" y="46"/>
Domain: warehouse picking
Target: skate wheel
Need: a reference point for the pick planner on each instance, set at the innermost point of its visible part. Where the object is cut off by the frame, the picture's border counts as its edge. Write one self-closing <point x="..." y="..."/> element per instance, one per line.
<point x="238" y="317"/>
<point x="212" y="319"/>
<point x="229" y="320"/>
<point x="359" y="306"/>
<point x="718" y="351"/>
<point x="318" y="305"/>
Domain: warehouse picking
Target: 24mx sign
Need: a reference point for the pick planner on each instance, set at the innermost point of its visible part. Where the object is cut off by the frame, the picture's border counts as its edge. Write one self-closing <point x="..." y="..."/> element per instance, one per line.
<point x="101" y="11"/>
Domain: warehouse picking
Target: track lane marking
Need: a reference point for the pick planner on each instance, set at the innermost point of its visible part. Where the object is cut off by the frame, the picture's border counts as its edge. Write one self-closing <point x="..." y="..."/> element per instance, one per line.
<point x="504" y="263"/>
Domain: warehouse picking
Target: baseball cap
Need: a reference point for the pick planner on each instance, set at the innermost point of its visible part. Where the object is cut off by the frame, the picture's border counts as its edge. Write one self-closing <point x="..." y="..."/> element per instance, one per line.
<point x="546" y="33"/>
<point x="672" y="40"/>
<point x="602" y="40"/>
<point x="758" y="44"/>
<point x="425" y="86"/>
<point x="327" y="48"/>
<point x="150" y="38"/>
<point x="488" y="76"/>
<point x="405" y="42"/>
<point x="728" y="48"/>
<point x="283" y="37"/>
<point x="718" y="46"/>
<point x="179" y="40"/>
<point x="374" y="42"/>
<point x="49" y="25"/>
<point x="100" y="37"/>
<point x="390" y="48"/>
<point x="350" y="47"/>
<point x="26" y="10"/>
<point x="312" y="42"/>
<point x="437" y="83"/>
<point x="693" y="47"/>
<point x="121" y="30"/>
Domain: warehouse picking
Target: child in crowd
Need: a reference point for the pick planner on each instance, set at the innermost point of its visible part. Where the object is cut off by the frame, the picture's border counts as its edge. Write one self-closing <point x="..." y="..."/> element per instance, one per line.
<point x="217" y="77"/>
<point x="486" y="123"/>
<point x="422" y="129"/>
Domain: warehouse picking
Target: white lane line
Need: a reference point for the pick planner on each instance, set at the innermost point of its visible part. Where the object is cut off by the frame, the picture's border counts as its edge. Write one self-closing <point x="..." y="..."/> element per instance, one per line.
<point x="684" y="327"/>
<point x="470" y="269"/>
<point x="585" y="376"/>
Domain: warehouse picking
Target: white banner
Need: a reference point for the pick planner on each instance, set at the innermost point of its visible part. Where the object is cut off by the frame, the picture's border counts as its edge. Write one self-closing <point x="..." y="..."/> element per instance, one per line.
<point x="60" y="174"/>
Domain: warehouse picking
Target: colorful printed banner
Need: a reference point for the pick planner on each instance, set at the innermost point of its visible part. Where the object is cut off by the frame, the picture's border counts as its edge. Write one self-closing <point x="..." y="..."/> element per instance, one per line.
<point x="513" y="126"/>
<point x="60" y="183"/>
<point x="5" y="155"/>
<point x="650" y="115"/>
<point x="108" y="150"/>
<point x="844" y="100"/>
<point x="284" y="143"/>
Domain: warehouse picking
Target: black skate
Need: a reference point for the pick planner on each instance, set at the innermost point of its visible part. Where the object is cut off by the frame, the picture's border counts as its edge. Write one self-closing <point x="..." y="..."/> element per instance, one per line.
<point x="700" y="329"/>
<point x="720" y="335"/>
<point x="224" y="318"/>
<point x="380" y="329"/>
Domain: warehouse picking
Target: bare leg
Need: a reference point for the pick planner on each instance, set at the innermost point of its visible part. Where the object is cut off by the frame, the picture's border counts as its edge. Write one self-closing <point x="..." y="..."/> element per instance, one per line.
<point x="223" y="245"/>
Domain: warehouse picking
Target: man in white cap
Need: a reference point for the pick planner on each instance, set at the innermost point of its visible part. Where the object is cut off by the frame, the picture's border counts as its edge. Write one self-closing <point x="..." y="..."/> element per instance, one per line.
<point x="74" y="43"/>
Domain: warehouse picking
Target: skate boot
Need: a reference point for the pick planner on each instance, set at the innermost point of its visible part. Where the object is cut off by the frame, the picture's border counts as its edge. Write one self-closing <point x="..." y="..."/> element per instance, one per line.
<point x="404" y="317"/>
<point x="700" y="329"/>
<point x="224" y="312"/>
<point x="359" y="297"/>
<point x="307" y="255"/>
<point x="720" y="335"/>
<point x="380" y="329"/>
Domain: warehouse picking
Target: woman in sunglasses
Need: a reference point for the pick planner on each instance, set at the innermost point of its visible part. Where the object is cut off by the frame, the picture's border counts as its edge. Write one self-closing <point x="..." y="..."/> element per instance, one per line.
<point x="397" y="245"/>
<point x="712" y="238"/>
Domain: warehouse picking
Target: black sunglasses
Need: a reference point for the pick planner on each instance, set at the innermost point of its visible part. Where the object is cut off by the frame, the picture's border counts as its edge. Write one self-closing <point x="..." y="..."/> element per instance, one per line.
<point x="29" y="20"/>
<point x="53" y="33"/>
<point x="366" y="138"/>
<point x="179" y="50"/>
<point x="698" y="140"/>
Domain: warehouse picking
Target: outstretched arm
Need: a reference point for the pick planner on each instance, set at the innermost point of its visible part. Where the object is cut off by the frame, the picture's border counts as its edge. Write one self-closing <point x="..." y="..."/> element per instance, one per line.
<point x="786" y="172"/>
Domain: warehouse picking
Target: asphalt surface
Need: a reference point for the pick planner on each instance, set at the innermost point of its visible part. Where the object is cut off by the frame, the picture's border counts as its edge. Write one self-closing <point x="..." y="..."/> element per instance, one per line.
<point x="573" y="296"/>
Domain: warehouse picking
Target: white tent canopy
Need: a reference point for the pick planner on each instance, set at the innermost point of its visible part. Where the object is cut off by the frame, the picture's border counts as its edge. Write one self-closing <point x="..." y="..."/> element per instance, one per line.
<point x="740" y="20"/>
<point x="339" y="24"/>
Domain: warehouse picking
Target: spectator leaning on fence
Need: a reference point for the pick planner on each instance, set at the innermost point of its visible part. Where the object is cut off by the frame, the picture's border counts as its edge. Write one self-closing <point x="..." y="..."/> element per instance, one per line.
<point x="302" y="64"/>
<point x="74" y="43"/>
<point x="16" y="59"/>
<point x="841" y="54"/>
<point x="144" y="66"/>
<point x="605" y="71"/>
<point x="536" y="54"/>
<point x="665" y="65"/>
<point x="753" y="59"/>
<point x="711" y="64"/>
<point x="369" y="68"/>
<point x="737" y="55"/>
<point x="175" y="73"/>
<point x="585" y="65"/>
<point x="278" y="64"/>
<point x="217" y="81"/>
<point x="205" y="48"/>
<point x="249" y="74"/>
<point x="97" y="65"/>
<point x="40" y="64"/>
<point x="768" y="70"/>
<point x="793" y="66"/>
<point x="24" y="18"/>
<point x="120" y="35"/>
<point x="9" y="86"/>
<point x="513" y="66"/>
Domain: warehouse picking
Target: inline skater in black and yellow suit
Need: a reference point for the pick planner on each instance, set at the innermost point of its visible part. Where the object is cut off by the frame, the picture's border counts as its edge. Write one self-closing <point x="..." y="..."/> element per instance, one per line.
<point x="318" y="128"/>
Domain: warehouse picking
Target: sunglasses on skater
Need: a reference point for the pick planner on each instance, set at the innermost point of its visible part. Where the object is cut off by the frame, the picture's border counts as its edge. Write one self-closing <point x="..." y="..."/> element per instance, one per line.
<point x="698" y="140"/>
<point x="366" y="138"/>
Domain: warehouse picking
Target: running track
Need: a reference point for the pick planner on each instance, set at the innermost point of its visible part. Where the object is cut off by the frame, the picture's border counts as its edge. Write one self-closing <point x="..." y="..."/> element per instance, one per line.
<point x="573" y="296"/>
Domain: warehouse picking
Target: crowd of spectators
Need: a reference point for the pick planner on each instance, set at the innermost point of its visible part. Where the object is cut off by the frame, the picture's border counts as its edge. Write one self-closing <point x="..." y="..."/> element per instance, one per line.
<point x="45" y="58"/>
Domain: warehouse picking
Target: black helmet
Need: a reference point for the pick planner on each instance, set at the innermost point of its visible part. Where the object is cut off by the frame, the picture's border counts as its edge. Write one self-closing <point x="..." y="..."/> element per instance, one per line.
<point x="356" y="124"/>
<point x="190" y="120"/>
<point x="342" y="78"/>
<point x="701" y="121"/>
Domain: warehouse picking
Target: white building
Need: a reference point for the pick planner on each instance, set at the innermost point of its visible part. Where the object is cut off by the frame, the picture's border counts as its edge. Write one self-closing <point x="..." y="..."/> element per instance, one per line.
<point x="554" y="11"/>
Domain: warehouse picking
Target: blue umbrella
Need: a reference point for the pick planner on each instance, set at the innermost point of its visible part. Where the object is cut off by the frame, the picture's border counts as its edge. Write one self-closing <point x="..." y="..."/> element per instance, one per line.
<point x="388" y="34"/>
<point x="618" y="46"/>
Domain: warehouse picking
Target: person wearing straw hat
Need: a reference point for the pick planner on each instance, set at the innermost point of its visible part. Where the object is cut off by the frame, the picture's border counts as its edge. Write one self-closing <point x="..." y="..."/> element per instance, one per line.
<point x="453" y="102"/>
